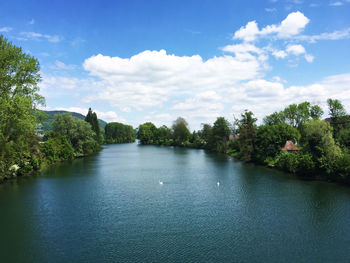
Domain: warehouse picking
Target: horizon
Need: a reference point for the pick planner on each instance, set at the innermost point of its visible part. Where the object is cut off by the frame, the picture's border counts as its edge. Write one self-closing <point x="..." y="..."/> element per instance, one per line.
<point x="138" y="61"/>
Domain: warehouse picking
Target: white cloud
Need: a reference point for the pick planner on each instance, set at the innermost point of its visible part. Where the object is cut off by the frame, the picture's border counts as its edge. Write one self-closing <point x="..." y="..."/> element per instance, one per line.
<point x="291" y="26"/>
<point x="296" y="49"/>
<point x="335" y="35"/>
<point x="279" y="54"/>
<point x="59" y="65"/>
<point x="270" y="10"/>
<point x="199" y="99"/>
<point x="5" y="29"/>
<point x="39" y="36"/>
<point x="54" y="86"/>
<point x="242" y="48"/>
<point x="150" y="78"/>
<point x="247" y="33"/>
<point x="309" y="58"/>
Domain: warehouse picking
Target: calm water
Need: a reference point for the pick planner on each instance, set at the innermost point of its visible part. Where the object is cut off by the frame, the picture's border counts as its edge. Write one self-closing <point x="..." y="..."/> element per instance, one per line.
<point x="111" y="208"/>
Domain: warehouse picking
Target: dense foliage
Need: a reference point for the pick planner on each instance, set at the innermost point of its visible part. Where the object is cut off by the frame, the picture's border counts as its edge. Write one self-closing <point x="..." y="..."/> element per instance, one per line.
<point x="19" y="75"/>
<point x="116" y="132"/>
<point x="321" y="147"/>
<point x="45" y="121"/>
<point x="22" y="148"/>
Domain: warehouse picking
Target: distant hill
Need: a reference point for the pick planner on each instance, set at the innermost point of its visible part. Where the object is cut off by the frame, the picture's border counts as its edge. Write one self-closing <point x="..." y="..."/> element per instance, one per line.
<point x="47" y="123"/>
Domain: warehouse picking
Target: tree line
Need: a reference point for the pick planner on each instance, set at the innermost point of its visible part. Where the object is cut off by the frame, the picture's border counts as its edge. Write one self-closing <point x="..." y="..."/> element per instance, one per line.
<point x="21" y="149"/>
<point x="319" y="148"/>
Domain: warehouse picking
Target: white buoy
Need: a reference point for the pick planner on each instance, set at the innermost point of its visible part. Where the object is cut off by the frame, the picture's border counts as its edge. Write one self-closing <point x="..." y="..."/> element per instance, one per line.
<point x="218" y="184"/>
<point x="160" y="182"/>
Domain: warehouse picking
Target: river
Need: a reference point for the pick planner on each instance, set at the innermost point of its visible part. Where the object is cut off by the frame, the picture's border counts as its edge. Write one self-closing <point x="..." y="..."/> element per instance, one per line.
<point x="110" y="207"/>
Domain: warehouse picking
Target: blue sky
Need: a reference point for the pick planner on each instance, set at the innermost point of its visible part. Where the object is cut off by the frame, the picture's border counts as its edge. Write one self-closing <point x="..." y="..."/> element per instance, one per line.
<point x="137" y="61"/>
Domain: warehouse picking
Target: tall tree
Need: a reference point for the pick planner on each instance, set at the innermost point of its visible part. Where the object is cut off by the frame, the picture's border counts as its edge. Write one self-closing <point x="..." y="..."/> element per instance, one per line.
<point x="339" y="118"/>
<point x="336" y="109"/>
<point x="319" y="142"/>
<point x="180" y="130"/>
<point x="221" y="132"/>
<point x="91" y="118"/>
<point x="146" y="133"/>
<point x="19" y="77"/>
<point x="247" y="132"/>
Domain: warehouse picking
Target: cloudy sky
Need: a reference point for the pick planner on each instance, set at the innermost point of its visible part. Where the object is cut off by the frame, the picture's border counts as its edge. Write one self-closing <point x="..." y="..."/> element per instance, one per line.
<point x="135" y="61"/>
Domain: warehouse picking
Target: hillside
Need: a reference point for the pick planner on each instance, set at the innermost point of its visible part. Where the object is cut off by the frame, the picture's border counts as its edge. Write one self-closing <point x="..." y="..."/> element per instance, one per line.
<point x="47" y="123"/>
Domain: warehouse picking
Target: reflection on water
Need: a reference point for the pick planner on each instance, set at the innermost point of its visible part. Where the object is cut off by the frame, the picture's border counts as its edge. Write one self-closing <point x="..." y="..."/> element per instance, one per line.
<point x="111" y="207"/>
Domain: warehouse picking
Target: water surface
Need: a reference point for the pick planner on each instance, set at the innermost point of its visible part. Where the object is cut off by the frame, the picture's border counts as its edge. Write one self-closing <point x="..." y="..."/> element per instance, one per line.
<point x="110" y="207"/>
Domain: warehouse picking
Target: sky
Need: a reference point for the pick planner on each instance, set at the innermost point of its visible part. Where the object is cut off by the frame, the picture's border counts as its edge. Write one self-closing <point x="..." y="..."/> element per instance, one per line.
<point x="153" y="60"/>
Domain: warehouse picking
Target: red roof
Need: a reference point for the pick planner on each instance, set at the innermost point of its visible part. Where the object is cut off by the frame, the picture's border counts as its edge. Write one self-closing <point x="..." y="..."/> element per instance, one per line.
<point x="290" y="146"/>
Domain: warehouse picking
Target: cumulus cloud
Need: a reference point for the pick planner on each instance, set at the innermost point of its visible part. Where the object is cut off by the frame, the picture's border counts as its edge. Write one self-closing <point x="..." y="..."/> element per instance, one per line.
<point x="247" y="33"/>
<point x="279" y="54"/>
<point x="291" y="26"/>
<point x="53" y="86"/>
<point x="150" y="77"/>
<point x="295" y="49"/>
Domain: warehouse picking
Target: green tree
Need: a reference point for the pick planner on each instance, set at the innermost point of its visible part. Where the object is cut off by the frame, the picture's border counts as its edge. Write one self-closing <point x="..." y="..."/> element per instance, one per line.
<point x="221" y="132"/>
<point x="116" y="132"/>
<point x="316" y="112"/>
<point x="247" y="132"/>
<point x="146" y="133"/>
<point x="206" y="134"/>
<point x="57" y="149"/>
<point x="339" y="118"/>
<point x="91" y="118"/>
<point x="275" y="118"/>
<point x="19" y="77"/>
<point x="181" y="134"/>
<point x="336" y="109"/>
<point x="270" y="139"/>
<point x="163" y="135"/>
<point x="295" y="114"/>
<point x="319" y="142"/>
<point x="78" y="133"/>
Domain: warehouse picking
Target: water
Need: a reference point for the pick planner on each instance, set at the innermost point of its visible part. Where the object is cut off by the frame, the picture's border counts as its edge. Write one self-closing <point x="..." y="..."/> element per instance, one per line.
<point x="111" y="208"/>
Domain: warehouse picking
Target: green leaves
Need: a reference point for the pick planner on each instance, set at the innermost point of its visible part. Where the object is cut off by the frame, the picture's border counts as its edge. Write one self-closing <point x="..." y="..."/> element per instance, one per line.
<point x="116" y="132"/>
<point x="77" y="132"/>
<point x="19" y="76"/>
